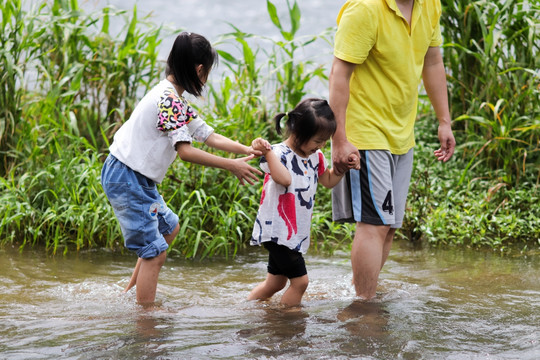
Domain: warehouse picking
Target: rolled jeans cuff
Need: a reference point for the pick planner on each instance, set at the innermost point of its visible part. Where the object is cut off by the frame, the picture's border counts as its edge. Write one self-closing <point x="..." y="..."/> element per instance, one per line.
<point x="153" y="249"/>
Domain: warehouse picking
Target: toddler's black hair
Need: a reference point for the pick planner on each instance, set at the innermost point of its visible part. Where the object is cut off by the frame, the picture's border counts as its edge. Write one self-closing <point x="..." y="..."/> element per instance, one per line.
<point x="310" y="117"/>
<point x="189" y="51"/>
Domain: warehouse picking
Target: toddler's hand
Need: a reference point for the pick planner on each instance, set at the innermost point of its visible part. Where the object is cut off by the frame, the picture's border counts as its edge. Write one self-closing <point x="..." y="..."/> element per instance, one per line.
<point x="260" y="146"/>
<point x="353" y="161"/>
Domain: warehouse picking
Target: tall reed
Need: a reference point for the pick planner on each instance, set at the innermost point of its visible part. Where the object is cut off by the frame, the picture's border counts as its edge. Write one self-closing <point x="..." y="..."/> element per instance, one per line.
<point x="68" y="82"/>
<point x="13" y="43"/>
<point x="267" y="75"/>
<point x="491" y="51"/>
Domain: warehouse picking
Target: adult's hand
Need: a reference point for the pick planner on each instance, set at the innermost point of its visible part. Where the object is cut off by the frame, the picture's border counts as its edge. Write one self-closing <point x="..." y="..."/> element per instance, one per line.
<point x="448" y="143"/>
<point x="434" y="77"/>
<point x="345" y="155"/>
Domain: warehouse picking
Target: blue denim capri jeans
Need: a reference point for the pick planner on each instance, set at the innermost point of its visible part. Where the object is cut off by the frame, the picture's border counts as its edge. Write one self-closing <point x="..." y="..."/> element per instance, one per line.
<point x="141" y="211"/>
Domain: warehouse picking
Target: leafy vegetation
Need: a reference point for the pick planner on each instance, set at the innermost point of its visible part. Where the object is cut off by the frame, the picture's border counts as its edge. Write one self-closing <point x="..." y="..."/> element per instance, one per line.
<point x="491" y="50"/>
<point x="67" y="84"/>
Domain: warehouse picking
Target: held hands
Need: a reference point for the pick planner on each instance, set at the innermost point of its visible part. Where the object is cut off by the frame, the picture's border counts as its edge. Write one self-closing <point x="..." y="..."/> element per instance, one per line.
<point x="448" y="143"/>
<point x="345" y="156"/>
<point x="260" y="146"/>
<point x="353" y="160"/>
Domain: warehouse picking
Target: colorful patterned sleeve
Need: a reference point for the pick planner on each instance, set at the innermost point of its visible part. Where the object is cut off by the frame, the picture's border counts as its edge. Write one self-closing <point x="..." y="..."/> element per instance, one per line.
<point x="173" y="112"/>
<point x="179" y="120"/>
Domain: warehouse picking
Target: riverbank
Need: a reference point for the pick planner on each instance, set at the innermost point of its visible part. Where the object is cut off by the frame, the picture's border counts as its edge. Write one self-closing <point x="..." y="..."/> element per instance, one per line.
<point x="71" y="81"/>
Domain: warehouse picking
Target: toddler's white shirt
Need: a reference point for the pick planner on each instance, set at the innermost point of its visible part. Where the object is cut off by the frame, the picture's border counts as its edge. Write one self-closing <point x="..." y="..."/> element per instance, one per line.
<point x="284" y="215"/>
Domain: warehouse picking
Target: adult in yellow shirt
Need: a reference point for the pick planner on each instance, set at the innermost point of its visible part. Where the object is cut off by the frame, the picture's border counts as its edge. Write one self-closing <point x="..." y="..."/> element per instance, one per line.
<point x="382" y="50"/>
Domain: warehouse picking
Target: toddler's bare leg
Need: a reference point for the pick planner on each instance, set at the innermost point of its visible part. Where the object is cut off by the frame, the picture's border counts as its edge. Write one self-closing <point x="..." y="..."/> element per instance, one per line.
<point x="268" y="287"/>
<point x="293" y="295"/>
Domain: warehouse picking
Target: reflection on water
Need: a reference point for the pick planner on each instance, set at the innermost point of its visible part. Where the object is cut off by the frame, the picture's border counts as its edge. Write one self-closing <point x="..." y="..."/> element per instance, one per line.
<point x="431" y="304"/>
<point x="276" y="331"/>
<point x="365" y="319"/>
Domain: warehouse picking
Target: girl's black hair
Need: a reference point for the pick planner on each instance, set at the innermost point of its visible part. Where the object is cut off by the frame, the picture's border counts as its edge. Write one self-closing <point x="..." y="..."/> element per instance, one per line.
<point x="310" y="117"/>
<point x="189" y="51"/>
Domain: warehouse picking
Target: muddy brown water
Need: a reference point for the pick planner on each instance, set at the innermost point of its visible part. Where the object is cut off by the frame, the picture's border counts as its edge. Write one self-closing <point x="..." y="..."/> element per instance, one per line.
<point x="431" y="304"/>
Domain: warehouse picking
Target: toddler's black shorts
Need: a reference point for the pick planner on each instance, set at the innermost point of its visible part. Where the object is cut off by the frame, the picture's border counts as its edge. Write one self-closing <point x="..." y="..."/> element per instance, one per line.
<point x="284" y="261"/>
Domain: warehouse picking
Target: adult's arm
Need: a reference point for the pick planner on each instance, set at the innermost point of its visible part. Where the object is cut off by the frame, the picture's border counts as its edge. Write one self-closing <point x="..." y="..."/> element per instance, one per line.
<point x="434" y="78"/>
<point x="344" y="154"/>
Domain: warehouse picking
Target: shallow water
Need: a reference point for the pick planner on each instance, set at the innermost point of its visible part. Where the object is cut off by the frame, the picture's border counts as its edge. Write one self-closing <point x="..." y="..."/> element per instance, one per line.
<point x="431" y="304"/>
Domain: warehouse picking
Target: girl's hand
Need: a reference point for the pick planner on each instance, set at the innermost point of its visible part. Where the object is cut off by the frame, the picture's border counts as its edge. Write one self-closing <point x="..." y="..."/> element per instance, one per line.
<point x="239" y="167"/>
<point x="260" y="146"/>
<point x="243" y="171"/>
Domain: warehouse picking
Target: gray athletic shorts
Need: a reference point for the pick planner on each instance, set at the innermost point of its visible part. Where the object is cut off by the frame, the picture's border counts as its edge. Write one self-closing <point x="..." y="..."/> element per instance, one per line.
<point x="376" y="194"/>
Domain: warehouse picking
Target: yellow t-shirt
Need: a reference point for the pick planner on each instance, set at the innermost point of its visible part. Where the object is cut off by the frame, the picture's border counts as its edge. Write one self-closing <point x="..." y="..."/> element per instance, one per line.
<point x="390" y="57"/>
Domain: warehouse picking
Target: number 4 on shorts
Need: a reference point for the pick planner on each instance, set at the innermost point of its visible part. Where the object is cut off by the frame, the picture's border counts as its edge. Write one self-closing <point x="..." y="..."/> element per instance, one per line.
<point x="387" y="203"/>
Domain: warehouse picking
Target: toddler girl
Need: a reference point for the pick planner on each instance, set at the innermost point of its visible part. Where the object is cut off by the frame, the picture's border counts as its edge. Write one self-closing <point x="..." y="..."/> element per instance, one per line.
<point x="293" y="169"/>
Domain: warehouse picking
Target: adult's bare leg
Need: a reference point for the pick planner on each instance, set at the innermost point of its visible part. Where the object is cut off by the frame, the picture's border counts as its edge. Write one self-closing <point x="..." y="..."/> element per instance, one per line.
<point x="367" y="256"/>
<point x="387" y="245"/>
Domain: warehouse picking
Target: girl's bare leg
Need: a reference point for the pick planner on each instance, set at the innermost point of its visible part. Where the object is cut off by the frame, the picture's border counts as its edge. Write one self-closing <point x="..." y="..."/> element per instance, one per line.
<point x="268" y="287"/>
<point x="147" y="278"/>
<point x="293" y="295"/>
<point x="133" y="281"/>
